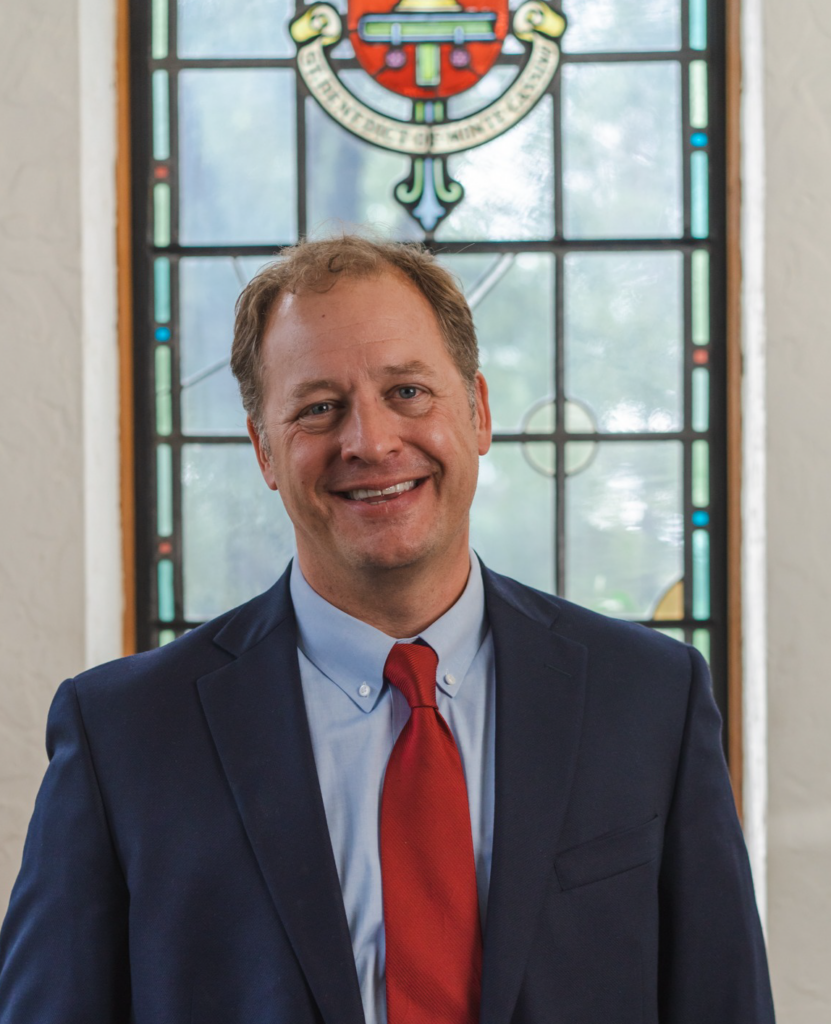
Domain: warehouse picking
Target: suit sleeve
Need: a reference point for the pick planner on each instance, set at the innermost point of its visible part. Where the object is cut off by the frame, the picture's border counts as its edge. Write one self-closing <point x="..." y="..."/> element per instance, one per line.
<point x="63" y="946"/>
<point x="712" y="963"/>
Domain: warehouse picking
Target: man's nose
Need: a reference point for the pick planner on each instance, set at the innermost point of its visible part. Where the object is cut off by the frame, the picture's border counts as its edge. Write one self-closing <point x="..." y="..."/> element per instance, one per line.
<point x="370" y="432"/>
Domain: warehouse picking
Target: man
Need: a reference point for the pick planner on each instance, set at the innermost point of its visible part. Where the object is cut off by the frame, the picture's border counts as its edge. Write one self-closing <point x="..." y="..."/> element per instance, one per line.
<point x="396" y="787"/>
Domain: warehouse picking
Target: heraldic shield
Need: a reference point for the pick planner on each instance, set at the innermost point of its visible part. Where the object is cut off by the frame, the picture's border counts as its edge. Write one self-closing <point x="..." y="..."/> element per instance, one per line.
<point x="428" y="51"/>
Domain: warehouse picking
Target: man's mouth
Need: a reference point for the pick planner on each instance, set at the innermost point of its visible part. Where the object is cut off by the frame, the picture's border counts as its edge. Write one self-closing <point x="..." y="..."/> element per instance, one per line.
<point x="376" y="497"/>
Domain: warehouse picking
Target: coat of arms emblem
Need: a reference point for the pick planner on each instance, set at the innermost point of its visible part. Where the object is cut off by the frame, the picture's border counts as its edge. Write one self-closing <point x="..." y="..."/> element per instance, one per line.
<point x="428" y="51"/>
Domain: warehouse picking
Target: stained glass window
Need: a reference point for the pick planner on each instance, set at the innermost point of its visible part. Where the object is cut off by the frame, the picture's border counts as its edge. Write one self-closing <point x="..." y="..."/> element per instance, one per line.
<point x="589" y="238"/>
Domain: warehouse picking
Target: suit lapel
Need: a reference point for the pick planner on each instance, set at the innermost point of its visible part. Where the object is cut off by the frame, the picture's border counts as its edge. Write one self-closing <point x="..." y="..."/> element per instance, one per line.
<point x="255" y="711"/>
<point x="540" y="680"/>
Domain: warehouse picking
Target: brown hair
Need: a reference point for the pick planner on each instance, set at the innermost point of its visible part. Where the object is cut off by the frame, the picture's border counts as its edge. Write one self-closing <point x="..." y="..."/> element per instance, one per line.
<point x="315" y="266"/>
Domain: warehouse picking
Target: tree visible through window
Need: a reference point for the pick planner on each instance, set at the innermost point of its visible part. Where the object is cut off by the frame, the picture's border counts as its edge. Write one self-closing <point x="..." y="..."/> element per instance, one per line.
<point x="589" y="238"/>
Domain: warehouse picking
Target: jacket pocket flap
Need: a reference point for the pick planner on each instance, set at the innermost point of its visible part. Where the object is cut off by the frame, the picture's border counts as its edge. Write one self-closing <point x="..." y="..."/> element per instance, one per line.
<point x="609" y="855"/>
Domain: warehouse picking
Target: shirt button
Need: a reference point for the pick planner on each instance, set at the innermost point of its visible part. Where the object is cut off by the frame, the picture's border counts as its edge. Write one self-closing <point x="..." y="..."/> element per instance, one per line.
<point x="364" y="690"/>
<point x="449" y="678"/>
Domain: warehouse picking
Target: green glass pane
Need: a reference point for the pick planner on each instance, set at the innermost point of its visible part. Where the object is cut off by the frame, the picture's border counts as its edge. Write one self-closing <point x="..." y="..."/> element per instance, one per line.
<point x="161" y="116"/>
<point x="701" y="574"/>
<point x="698" y="24"/>
<point x="158" y="45"/>
<point x="167" y="605"/>
<point x="208" y="289"/>
<point x="701" y="399"/>
<point x="700" y="185"/>
<point x="701" y="640"/>
<point x="224" y="566"/>
<point x="622" y="25"/>
<point x="237" y="153"/>
<point x="164" y="490"/>
<point x="161" y="289"/>
<point x="513" y="492"/>
<point x="516" y="352"/>
<point x="624" y="338"/>
<point x="701" y="297"/>
<point x="161" y="214"/>
<point x="165" y="636"/>
<point x="622" y="152"/>
<point x="701" y="473"/>
<point x="624" y="527"/>
<point x="164" y="399"/>
<point x="699" y="102"/>
<point x="676" y="634"/>
<point x="508" y="183"/>
<point x="234" y="28"/>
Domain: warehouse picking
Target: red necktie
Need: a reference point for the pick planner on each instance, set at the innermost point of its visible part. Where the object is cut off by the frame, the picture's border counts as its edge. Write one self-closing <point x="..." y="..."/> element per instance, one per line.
<point x="431" y="908"/>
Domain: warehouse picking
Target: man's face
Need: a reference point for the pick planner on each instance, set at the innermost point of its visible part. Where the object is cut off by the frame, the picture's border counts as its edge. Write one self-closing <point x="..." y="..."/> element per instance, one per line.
<point x="361" y="396"/>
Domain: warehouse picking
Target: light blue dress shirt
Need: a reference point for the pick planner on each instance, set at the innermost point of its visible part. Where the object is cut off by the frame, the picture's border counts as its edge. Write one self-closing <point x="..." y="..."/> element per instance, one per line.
<point x="355" y="718"/>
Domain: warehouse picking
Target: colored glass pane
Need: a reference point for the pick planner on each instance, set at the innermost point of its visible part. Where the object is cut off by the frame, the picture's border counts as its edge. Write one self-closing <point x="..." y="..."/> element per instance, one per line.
<point x="165" y="636"/>
<point x="158" y="41"/>
<point x="701" y="473"/>
<point x="624" y="328"/>
<point x="699" y="100"/>
<point x="700" y="189"/>
<point x="162" y="334"/>
<point x="701" y="574"/>
<point x="700" y="399"/>
<point x="167" y="604"/>
<point x="164" y="490"/>
<point x="624" y="527"/>
<point x="671" y="604"/>
<point x="164" y="399"/>
<point x="237" y="152"/>
<point x="161" y="290"/>
<point x="701" y="518"/>
<point x="699" y="138"/>
<point x="234" y="28"/>
<point x="622" y="25"/>
<point x="701" y="297"/>
<point x="698" y="24"/>
<point x="161" y="116"/>
<point x="701" y="640"/>
<point x="622" y="170"/>
<point x="674" y="634"/>
<point x="511" y="491"/>
<point x="161" y="214"/>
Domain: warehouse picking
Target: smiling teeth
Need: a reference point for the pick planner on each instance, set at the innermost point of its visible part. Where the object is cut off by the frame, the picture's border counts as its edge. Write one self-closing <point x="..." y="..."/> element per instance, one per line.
<point x="408" y="485"/>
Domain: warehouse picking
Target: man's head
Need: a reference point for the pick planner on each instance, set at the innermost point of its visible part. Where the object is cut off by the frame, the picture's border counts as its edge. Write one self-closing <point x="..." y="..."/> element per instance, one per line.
<point x="365" y="381"/>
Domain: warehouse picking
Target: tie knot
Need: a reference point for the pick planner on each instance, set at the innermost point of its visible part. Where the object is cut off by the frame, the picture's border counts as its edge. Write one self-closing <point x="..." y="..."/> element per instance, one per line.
<point x="411" y="668"/>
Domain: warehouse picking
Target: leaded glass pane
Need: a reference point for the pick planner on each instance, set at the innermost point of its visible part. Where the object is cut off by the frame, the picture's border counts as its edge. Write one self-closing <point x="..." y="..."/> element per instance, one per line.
<point x="234" y="28"/>
<point x="621" y="25"/>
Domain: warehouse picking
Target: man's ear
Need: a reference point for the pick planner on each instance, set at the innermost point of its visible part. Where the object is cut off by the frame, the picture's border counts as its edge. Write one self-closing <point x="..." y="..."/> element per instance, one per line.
<point x="262" y="453"/>
<point x="482" y="413"/>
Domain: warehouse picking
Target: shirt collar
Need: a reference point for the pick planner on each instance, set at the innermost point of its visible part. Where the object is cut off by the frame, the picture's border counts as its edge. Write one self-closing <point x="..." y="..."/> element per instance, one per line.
<point x="352" y="653"/>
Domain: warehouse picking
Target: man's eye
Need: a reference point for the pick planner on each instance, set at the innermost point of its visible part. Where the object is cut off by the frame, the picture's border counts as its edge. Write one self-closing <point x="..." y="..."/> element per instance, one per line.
<point x="318" y="409"/>
<point x="408" y="391"/>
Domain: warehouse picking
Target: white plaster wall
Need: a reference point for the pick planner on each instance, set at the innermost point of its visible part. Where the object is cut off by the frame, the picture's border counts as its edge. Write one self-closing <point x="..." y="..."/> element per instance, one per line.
<point x="60" y="593"/>
<point x="798" y="303"/>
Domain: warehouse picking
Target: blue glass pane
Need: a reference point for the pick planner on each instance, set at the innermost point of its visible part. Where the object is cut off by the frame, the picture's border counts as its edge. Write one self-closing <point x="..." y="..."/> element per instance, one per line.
<point x="699" y="139"/>
<point x="700" y="518"/>
<point x="162" y="334"/>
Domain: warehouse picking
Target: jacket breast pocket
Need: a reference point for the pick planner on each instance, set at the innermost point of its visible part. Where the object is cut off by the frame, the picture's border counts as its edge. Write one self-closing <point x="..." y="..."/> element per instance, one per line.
<point x="609" y="855"/>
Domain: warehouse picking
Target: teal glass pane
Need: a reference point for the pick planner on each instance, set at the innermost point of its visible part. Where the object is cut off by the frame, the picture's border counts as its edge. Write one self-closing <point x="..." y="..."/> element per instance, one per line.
<point x="237" y="150"/>
<point x="234" y="28"/>
<point x="161" y="291"/>
<point x="624" y="527"/>
<point x="700" y="187"/>
<point x="165" y="636"/>
<point x="161" y="214"/>
<point x="167" y="604"/>
<point x="701" y="574"/>
<point x="700" y="518"/>
<point x="701" y="399"/>
<point x="208" y="290"/>
<point x="508" y="183"/>
<point x="164" y="400"/>
<point x="698" y="24"/>
<point x="701" y="297"/>
<point x="699" y="101"/>
<point x="161" y="116"/>
<point x="622" y="170"/>
<point x="701" y="640"/>
<point x="608" y="26"/>
<point x="516" y="352"/>
<point x="701" y="473"/>
<point x="158" y="32"/>
<point x="699" y="139"/>
<point x="164" y="490"/>
<point x="512" y="492"/>
<point x="624" y="338"/>
<point x="222" y="485"/>
<point x="675" y="634"/>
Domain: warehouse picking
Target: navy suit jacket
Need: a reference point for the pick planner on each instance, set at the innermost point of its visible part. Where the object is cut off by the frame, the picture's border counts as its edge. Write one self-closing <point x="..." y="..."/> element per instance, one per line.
<point x="178" y="868"/>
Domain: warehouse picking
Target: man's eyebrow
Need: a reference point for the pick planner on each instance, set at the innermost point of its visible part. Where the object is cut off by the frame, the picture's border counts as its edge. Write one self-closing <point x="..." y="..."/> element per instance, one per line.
<point x="308" y="387"/>
<point x="405" y="369"/>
